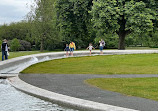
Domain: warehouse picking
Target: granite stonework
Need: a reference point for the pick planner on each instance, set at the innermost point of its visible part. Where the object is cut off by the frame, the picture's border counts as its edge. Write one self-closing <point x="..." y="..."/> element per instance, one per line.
<point x="15" y="65"/>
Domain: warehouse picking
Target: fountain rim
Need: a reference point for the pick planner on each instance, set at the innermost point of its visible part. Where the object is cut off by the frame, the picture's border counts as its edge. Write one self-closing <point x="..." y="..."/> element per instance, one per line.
<point x="64" y="99"/>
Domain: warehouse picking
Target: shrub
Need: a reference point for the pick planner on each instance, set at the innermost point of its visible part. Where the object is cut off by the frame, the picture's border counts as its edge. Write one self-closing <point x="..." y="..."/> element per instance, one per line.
<point x="25" y="45"/>
<point x="14" y="45"/>
<point x="0" y="44"/>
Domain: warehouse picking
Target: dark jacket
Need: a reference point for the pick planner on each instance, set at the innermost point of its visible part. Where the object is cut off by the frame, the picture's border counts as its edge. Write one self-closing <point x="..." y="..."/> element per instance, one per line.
<point x="4" y="44"/>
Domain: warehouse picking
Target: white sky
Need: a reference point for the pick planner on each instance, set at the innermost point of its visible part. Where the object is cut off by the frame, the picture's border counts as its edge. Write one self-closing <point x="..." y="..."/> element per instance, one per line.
<point x="13" y="10"/>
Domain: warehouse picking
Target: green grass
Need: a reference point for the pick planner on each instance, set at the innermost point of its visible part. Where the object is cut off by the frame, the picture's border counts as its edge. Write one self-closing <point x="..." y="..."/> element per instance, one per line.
<point x="140" y="87"/>
<point x="109" y="64"/>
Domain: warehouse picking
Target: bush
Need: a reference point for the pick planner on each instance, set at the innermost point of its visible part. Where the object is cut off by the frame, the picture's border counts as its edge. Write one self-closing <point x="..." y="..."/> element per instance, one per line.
<point x="0" y="44"/>
<point x="25" y="46"/>
<point x="14" y="45"/>
<point x="111" y="42"/>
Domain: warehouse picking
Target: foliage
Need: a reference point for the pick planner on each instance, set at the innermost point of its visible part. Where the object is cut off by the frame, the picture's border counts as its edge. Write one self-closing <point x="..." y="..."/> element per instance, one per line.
<point x="111" y="40"/>
<point x="148" y="39"/>
<point x="74" y="21"/>
<point x="0" y="44"/>
<point x="14" y="45"/>
<point x="17" y="30"/>
<point x="43" y="20"/>
<point x="124" y="16"/>
<point x="24" y="45"/>
<point x="51" y="24"/>
<point x="154" y="39"/>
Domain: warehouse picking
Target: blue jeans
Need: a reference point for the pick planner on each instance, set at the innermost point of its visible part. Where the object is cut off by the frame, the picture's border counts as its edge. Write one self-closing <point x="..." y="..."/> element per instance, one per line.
<point x="101" y="48"/>
<point x="4" y="53"/>
<point x="71" y="49"/>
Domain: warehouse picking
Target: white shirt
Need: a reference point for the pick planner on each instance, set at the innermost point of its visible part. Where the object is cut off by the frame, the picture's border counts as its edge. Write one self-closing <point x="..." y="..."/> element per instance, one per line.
<point x="90" y="47"/>
<point x="100" y="43"/>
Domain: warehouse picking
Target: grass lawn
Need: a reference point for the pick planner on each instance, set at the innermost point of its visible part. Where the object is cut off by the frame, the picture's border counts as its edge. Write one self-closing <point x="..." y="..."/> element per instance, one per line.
<point x="140" y="87"/>
<point x="109" y="64"/>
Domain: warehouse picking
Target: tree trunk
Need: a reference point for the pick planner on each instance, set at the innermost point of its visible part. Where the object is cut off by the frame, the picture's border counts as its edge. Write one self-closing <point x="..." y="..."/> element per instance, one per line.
<point x="122" y="33"/>
<point x="41" y="48"/>
<point x="121" y="45"/>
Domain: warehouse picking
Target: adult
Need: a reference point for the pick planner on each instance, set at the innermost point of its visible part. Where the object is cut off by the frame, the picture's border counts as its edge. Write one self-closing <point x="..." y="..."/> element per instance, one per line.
<point x="102" y="44"/>
<point x="4" y="49"/>
<point x="72" y="47"/>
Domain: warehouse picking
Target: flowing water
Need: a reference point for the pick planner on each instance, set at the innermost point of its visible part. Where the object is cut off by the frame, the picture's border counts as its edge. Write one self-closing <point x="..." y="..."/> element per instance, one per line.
<point x="16" y="68"/>
<point x="14" y="100"/>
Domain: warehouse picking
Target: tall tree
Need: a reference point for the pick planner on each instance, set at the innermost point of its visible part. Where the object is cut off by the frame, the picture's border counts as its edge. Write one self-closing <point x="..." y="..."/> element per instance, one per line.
<point x="43" y="19"/>
<point x="74" y="20"/>
<point x="124" y="16"/>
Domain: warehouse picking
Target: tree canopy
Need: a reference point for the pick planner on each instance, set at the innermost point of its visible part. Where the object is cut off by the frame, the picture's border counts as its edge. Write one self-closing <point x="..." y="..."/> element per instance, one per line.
<point x="51" y="24"/>
<point x="44" y="23"/>
<point x="74" y="20"/>
<point x="124" y="17"/>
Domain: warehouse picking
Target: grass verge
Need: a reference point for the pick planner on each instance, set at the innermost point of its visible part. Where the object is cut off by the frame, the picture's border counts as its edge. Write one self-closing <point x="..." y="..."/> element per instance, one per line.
<point x="109" y="64"/>
<point x="139" y="87"/>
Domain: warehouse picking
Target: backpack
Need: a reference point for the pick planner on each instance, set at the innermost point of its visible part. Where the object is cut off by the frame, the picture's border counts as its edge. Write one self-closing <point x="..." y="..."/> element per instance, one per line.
<point x="103" y="43"/>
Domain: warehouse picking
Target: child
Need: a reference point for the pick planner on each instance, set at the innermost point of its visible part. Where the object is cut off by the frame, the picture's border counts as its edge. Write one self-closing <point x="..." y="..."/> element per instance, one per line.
<point x="67" y="49"/>
<point x="90" y="47"/>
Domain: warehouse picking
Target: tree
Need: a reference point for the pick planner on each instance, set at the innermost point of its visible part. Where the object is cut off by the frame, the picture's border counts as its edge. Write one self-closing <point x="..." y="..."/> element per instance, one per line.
<point x="124" y="17"/>
<point x="18" y="30"/>
<point x="0" y="44"/>
<point x="15" y="45"/>
<point x="43" y="19"/>
<point x="74" y="21"/>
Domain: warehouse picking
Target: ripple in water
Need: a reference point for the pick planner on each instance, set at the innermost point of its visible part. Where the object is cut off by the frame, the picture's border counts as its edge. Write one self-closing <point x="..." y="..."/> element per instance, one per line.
<point x="14" y="100"/>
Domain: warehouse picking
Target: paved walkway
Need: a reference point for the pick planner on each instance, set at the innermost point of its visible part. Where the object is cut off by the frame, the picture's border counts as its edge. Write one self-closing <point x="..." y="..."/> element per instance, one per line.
<point x="73" y="85"/>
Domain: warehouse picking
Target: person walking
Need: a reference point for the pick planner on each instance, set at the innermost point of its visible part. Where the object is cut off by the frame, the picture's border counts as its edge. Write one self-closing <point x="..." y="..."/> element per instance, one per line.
<point x="90" y="47"/>
<point x="72" y="47"/>
<point x="102" y="44"/>
<point x="4" y="49"/>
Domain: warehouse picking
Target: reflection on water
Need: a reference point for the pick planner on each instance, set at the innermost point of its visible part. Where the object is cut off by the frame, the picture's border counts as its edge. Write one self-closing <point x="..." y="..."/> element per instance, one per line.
<point x="14" y="100"/>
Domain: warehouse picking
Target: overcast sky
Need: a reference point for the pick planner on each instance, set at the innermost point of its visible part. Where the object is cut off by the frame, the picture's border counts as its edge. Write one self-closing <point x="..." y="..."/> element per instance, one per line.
<point x="13" y="10"/>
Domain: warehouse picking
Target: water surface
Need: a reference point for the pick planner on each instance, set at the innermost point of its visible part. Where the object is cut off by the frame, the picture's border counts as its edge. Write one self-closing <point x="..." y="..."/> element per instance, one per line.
<point x="14" y="100"/>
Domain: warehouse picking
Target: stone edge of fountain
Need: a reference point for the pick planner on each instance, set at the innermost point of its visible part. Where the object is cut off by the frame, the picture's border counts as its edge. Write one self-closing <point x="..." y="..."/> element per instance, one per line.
<point x="63" y="99"/>
<point x="60" y="99"/>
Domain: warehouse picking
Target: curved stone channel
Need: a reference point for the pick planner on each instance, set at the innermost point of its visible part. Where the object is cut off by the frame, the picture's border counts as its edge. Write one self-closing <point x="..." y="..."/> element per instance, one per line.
<point x="16" y="65"/>
<point x="73" y="85"/>
<point x="14" y="100"/>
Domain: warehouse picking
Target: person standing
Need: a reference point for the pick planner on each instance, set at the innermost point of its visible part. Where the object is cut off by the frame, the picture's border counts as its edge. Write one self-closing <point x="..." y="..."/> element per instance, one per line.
<point x="4" y="49"/>
<point x="72" y="47"/>
<point x="90" y="47"/>
<point x="102" y="44"/>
